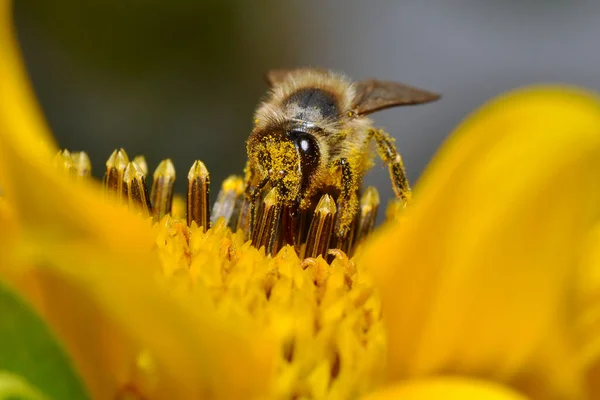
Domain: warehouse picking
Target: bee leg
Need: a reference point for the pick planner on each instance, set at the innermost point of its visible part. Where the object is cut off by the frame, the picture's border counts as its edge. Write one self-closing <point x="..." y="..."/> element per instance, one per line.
<point x="388" y="153"/>
<point x="348" y="199"/>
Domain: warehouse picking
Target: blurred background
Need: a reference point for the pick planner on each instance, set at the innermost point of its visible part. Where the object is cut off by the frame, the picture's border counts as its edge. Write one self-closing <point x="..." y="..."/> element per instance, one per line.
<point x="181" y="79"/>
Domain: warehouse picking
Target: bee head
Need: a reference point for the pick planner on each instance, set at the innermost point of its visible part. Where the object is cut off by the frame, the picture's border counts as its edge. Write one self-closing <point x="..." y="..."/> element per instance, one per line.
<point x="287" y="156"/>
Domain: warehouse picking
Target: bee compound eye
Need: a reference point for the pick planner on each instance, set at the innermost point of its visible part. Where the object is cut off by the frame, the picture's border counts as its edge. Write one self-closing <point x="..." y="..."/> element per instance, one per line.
<point x="309" y="154"/>
<point x="307" y="146"/>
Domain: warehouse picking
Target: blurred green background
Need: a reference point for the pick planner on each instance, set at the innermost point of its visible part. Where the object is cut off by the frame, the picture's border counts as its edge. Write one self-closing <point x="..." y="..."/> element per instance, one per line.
<point x="181" y="79"/>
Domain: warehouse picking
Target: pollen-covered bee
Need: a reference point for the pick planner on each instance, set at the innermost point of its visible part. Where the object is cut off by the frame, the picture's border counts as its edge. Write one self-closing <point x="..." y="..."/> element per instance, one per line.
<point x="312" y="136"/>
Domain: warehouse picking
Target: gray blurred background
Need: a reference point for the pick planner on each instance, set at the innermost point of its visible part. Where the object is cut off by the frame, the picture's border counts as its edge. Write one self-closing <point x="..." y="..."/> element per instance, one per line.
<point x="181" y="79"/>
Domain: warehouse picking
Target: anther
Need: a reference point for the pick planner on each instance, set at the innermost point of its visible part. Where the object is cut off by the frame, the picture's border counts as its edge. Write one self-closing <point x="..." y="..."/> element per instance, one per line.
<point x="369" y="203"/>
<point x="62" y="161"/>
<point x="247" y="214"/>
<point x="345" y="243"/>
<point x="141" y="162"/>
<point x="229" y="201"/>
<point x="302" y="228"/>
<point x="290" y="230"/>
<point x="82" y="167"/>
<point x="321" y="228"/>
<point x="115" y="168"/>
<point x="198" y="206"/>
<point x="162" y="189"/>
<point x="265" y="229"/>
<point x="136" y="188"/>
<point x="244" y="220"/>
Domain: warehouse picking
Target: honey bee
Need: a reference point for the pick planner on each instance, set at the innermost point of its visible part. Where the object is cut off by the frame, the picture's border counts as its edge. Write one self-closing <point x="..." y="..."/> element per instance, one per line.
<point x="312" y="136"/>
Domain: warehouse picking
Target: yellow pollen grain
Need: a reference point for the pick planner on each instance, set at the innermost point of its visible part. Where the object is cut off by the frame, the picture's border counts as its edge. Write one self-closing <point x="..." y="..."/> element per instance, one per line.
<point x="285" y="164"/>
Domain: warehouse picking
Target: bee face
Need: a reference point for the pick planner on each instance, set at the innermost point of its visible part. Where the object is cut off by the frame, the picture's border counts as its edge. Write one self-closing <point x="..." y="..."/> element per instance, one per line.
<point x="287" y="156"/>
<point x="278" y="161"/>
<point x="306" y="114"/>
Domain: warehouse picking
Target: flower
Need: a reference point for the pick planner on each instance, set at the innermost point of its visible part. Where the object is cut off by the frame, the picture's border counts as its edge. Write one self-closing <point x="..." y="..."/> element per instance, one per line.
<point x="488" y="283"/>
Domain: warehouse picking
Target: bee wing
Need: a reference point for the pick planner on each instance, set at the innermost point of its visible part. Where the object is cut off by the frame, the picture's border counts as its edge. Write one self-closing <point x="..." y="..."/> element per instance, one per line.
<point x="373" y="95"/>
<point x="275" y="76"/>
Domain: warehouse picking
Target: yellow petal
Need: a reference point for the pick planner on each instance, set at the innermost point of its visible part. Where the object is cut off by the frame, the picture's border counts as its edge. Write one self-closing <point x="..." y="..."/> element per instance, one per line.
<point x="89" y="268"/>
<point x="194" y="353"/>
<point x="446" y="389"/>
<point x="477" y="277"/>
<point x="589" y="320"/>
<point x="18" y="102"/>
<point x="44" y="200"/>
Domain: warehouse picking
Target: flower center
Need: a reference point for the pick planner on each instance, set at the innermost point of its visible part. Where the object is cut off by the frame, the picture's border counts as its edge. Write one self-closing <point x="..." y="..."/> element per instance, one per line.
<point x="316" y="303"/>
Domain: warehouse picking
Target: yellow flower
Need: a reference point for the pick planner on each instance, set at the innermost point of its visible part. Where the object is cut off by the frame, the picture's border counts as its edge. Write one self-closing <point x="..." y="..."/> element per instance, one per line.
<point x="488" y="286"/>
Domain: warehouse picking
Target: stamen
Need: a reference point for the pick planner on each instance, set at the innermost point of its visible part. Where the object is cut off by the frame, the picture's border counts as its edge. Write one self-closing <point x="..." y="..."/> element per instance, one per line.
<point x="250" y="203"/>
<point x="302" y="228"/>
<point x="290" y="229"/>
<point x="141" y="162"/>
<point x="136" y="188"/>
<point x="265" y="229"/>
<point x="198" y="206"/>
<point x="162" y="189"/>
<point x="369" y="203"/>
<point x="115" y="168"/>
<point x="245" y="217"/>
<point x="229" y="201"/>
<point x="321" y="228"/>
<point x="82" y="167"/>
<point x="62" y="161"/>
<point x="265" y="220"/>
<point x="345" y="243"/>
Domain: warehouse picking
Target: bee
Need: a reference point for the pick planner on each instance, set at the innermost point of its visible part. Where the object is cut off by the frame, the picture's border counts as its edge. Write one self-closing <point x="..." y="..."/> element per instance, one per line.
<point x="312" y="136"/>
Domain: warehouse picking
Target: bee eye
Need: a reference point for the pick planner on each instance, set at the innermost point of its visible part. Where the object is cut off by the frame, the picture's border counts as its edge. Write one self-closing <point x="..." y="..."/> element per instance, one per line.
<point x="309" y="153"/>
<point x="308" y="146"/>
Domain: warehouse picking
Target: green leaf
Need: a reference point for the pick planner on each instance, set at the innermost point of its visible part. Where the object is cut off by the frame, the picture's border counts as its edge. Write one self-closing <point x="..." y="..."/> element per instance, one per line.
<point x="15" y="387"/>
<point x="31" y="357"/>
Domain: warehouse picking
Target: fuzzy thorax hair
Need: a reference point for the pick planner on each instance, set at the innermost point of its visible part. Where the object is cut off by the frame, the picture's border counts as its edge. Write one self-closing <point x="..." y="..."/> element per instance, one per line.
<point x="281" y="105"/>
